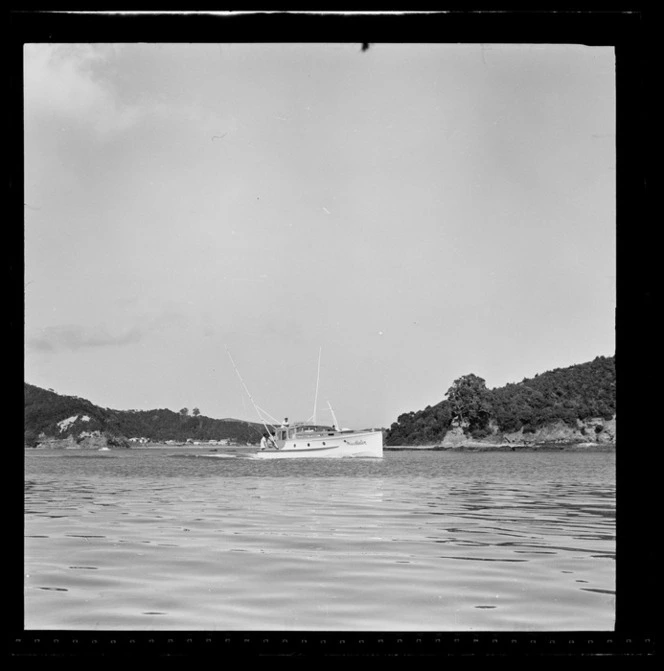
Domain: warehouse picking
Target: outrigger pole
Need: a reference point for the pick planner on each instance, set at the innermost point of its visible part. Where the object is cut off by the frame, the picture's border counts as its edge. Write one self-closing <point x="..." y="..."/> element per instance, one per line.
<point x="258" y="410"/>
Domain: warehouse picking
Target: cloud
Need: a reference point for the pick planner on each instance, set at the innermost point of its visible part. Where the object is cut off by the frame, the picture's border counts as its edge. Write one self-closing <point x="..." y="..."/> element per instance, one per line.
<point x="73" y="337"/>
<point x="64" y="80"/>
<point x="80" y="82"/>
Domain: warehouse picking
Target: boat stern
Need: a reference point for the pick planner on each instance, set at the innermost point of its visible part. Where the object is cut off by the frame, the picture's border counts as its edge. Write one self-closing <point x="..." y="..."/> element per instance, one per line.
<point x="365" y="444"/>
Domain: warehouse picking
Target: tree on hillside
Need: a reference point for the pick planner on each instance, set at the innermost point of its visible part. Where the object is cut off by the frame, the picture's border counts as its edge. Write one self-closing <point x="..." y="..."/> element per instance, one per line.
<point x="197" y="413"/>
<point x="469" y="402"/>
<point x="184" y="412"/>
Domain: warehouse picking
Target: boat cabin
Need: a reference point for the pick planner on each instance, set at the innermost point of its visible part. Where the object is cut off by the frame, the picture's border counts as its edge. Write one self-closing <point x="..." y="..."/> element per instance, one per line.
<point x="304" y="431"/>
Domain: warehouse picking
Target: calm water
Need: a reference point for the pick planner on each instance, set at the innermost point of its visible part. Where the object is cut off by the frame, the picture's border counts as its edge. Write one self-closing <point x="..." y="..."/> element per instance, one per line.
<point x="430" y="541"/>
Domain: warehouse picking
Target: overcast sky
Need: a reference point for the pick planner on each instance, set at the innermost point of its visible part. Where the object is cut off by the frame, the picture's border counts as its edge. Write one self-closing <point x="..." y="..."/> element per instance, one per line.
<point x="415" y="212"/>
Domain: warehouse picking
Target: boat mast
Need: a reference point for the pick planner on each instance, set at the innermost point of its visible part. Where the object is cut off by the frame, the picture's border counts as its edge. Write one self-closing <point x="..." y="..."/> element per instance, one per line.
<point x="317" y="380"/>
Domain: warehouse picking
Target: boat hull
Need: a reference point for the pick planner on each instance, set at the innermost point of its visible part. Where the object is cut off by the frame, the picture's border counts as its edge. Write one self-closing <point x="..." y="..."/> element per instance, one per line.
<point x="367" y="444"/>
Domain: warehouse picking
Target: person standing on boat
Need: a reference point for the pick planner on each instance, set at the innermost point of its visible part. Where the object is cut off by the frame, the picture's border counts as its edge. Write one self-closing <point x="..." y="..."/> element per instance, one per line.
<point x="272" y="441"/>
<point x="264" y="442"/>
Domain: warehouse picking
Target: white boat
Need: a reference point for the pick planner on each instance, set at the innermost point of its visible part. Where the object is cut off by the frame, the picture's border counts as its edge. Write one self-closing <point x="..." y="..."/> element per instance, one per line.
<point x="304" y="441"/>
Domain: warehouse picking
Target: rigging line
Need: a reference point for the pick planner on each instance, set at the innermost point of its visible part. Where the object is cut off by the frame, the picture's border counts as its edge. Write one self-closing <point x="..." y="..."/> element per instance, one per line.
<point x="247" y="390"/>
<point x="269" y="416"/>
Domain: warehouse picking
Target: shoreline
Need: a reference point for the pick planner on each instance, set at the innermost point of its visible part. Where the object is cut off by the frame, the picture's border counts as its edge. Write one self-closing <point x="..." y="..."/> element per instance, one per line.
<point x="151" y="446"/>
<point x="509" y="447"/>
<point x="470" y="447"/>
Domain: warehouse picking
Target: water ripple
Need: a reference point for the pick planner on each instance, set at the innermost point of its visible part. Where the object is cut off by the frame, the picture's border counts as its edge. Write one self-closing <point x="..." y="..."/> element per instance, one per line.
<point x="232" y="544"/>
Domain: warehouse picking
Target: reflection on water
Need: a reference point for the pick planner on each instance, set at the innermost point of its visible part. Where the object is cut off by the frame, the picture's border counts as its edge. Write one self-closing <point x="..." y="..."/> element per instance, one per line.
<point x="159" y="539"/>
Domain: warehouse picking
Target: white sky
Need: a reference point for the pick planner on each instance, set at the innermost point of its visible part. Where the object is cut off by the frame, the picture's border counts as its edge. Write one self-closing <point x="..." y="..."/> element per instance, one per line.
<point x="420" y="212"/>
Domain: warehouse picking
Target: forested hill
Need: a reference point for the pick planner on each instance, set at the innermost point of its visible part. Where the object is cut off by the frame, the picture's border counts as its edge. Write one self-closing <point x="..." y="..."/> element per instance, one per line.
<point x="579" y="392"/>
<point x="51" y="415"/>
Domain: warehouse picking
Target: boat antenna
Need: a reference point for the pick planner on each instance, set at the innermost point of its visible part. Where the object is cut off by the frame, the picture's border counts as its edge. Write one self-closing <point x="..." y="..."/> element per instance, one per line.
<point x="320" y="350"/>
<point x="334" y="417"/>
<point x="258" y="410"/>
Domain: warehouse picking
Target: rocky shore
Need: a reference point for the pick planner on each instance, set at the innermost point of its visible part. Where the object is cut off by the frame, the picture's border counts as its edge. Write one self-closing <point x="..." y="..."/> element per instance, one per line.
<point x="592" y="434"/>
<point x="91" y="441"/>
